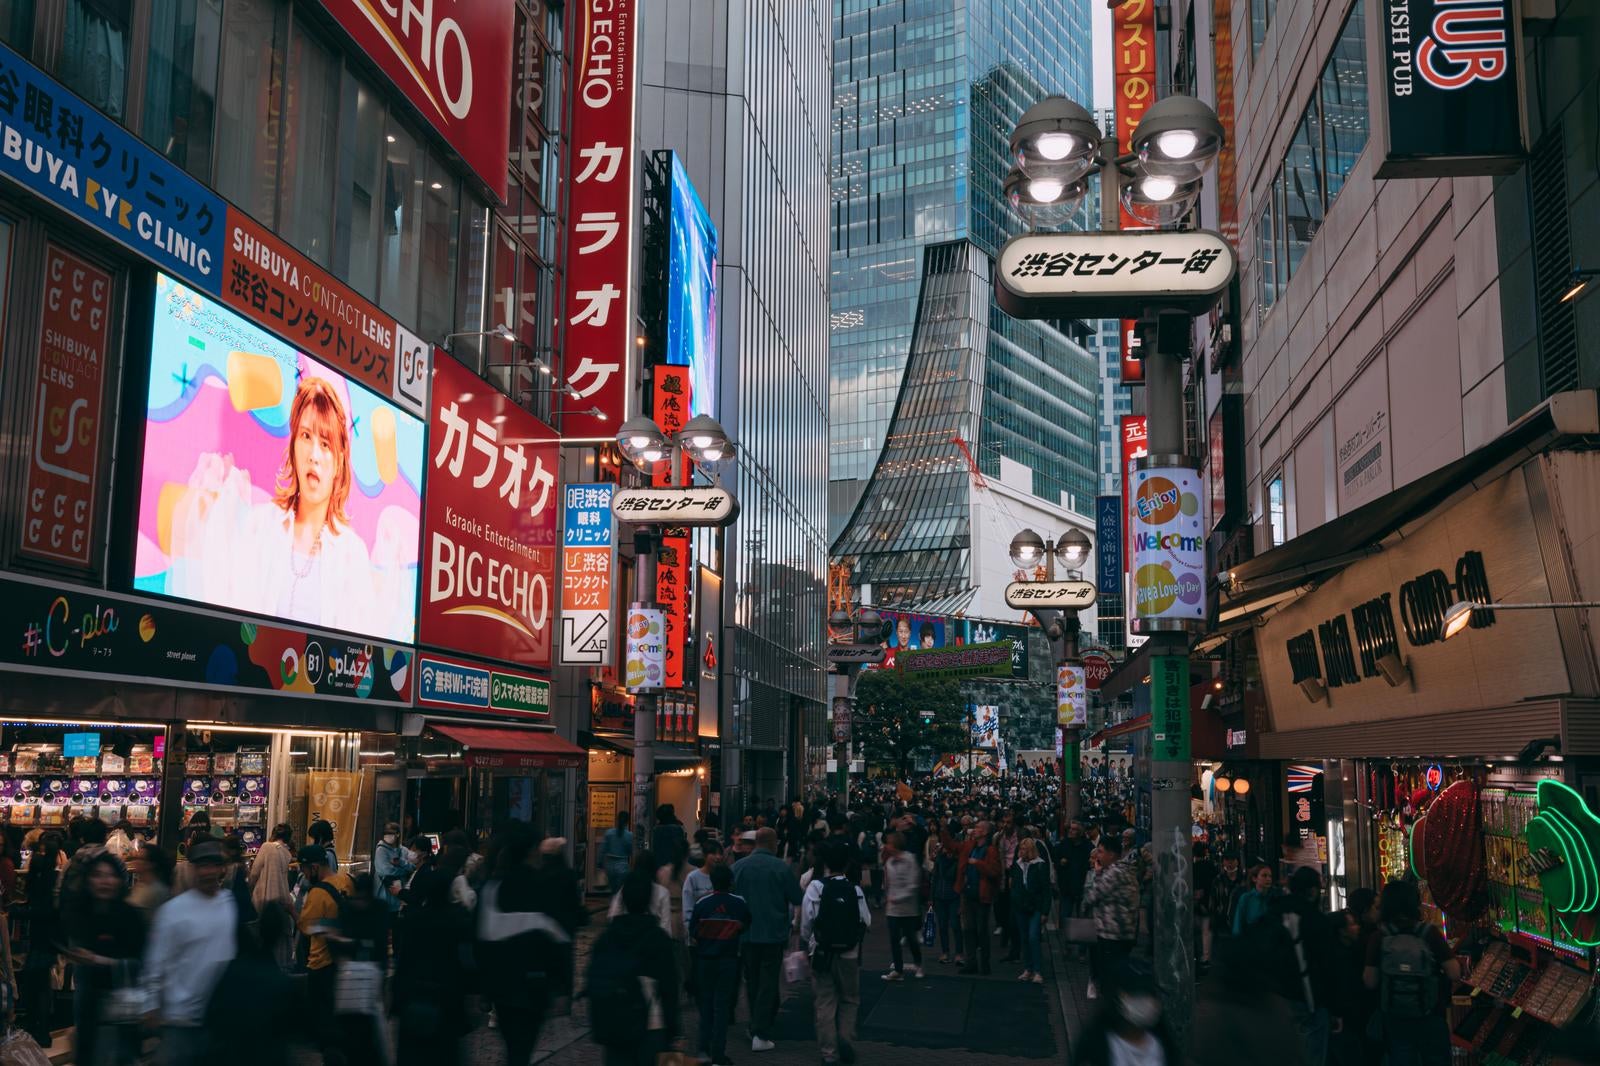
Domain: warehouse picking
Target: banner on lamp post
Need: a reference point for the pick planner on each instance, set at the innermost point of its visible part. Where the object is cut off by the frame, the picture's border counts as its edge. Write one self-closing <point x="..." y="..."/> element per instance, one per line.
<point x="645" y="667"/>
<point x="1072" y="696"/>
<point x="1169" y="707"/>
<point x="1169" y="548"/>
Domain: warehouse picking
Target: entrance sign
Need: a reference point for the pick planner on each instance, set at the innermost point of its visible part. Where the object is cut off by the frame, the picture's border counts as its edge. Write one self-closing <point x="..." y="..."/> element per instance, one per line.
<point x="1112" y="275"/>
<point x="864" y="654"/>
<point x="676" y="506"/>
<point x="1451" y="87"/>
<point x="1062" y="595"/>
<point x="973" y="660"/>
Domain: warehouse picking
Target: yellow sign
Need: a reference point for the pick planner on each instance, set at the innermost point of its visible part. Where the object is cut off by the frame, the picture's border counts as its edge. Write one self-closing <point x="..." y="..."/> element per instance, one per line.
<point x="335" y="795"/>
<point x="602" y="809"/>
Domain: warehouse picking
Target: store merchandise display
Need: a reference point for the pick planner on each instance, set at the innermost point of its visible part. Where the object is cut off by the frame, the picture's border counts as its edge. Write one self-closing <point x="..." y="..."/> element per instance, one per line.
<point x="41" y="785"/>
<point x="231" y="787"/>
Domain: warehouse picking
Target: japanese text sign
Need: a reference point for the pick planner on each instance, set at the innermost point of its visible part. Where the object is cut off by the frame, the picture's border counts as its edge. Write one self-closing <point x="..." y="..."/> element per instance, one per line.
<point x="1452" y="91"/>
<point x="676" y="506"/>
<point x="1133" y="69"/>
<point x="1108" y="539"/>
<point x="66" y="151"/>
<point x="1133" y="444"/>
<point x="1131" y="358"/>
<point x="456" y="685"/>
<point x="490" y="521"/>
<point x="1169" y="545"/>
<point x="1169" y="708"/>
<point x="586" y="558"/>
<point x="452" y="60"/>
<point x="672" y="593"/>
<point x="63" y="474"/>
<point x="670" y="405"/>
<point x="1112" y="275"/>
<point x="598" y="318"/>
<point x="270" y="282"/>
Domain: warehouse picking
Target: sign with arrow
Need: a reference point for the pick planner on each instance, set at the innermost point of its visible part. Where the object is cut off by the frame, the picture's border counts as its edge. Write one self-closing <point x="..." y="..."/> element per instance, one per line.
<point x="1060" y="595"/>
<point x="587" y="554"/>
<point x="856" y="654"/>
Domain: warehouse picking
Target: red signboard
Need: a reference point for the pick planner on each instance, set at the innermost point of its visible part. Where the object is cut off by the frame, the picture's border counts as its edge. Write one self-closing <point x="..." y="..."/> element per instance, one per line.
<point x="270" y="282"/>
<point x="671" y="411"/>
<point x="1134" y="446"/>
<point x="672" y="593"/>
<point x="63" y="477"/>
<point x="1096" y="668"/>
<point x="1222" y="59"/>
<point x="489" y="520"/>
<point x="1133" y="45"/>
<point x="598" y="352"/>
<point x="452" y="60"/>
<point x="1132" y="363"/>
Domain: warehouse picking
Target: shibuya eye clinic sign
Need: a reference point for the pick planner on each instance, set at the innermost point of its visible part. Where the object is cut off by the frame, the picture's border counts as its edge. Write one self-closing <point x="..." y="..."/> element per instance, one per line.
<point x="1112" y="275"/>
<point x="1451" y="100"/>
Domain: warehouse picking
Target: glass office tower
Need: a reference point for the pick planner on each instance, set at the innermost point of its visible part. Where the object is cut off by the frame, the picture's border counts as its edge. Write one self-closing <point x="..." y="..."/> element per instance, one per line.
<point x="925" y="373"/>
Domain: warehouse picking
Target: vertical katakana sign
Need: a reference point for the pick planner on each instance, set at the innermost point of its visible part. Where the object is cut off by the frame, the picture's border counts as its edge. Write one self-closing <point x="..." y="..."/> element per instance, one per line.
<point x="490" y="522"/>
<point x="587" y="545"/>
<point x="672" y="593"/>
<point x="598" y="353"/>
<point x="1133" y="43"/>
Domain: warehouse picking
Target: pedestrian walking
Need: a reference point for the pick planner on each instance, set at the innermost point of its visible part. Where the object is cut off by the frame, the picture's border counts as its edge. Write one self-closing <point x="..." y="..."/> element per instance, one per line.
<point x="633" y="982"/>
<point x="1226" y="887"/>
<point x="717" y="924"/>
<point x="194" y="937"/>
<point x="833" y="920"/>
<point x="668" y="840"/>
<point x="978" y="872"/>
<point x="1072" y="864"/>
<point x="616" y="853"/>
<point x="1129" y="1029"/>
<point x="1008" y="839"/>
<point x="903" y="883"/>
<point x="1301" y="956"/>
<point x="254" y="995"/>
<point x="1204" y="875"/>
<point x="1112" y="897"/>
<point x="105" y="939"/>
<point x="40" y="908"/>
<point x="389" y="867"/>
<point x="326" y="892"/>
<point x="1256" y="902"/>
<point x="946" y="900"/>
<point x="769" y="886"/>
<point x="697" y="885"/>
<point x="660" y="897"/>
<point x="1029" y="894"/>
<point x="1411" y="967"/>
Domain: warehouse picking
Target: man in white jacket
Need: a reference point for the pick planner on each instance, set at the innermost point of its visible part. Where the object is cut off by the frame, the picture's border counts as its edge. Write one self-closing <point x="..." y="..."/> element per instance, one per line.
<point x="192" y="940"/>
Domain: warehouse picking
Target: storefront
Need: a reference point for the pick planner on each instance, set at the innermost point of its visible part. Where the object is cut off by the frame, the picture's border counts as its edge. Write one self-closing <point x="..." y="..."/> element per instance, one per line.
<point x="476" y="776"/>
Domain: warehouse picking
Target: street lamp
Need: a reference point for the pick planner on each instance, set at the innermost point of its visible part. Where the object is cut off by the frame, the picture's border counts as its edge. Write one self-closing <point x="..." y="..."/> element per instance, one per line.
<point x="855" y="631"/>
<point x="1029" y="550"/>
<point x="1459" y="616"/>
<point x="643" y="443"/>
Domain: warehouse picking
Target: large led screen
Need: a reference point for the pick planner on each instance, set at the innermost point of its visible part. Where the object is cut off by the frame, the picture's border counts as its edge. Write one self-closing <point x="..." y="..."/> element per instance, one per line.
<point x="692" y="292"/>
<point x="271" y="483"/>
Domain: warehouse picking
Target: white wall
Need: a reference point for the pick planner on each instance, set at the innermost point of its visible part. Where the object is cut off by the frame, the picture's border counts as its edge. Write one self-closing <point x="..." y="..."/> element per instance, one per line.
<point x="998" y="513"/>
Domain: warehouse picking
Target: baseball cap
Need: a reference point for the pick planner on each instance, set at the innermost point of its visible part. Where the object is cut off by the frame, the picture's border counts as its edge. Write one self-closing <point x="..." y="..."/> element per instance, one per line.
<point x="313" y="855"/>
<point x="207" y="851"/>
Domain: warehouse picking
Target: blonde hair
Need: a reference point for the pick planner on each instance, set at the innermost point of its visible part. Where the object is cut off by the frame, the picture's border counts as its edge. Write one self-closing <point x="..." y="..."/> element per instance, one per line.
<point x="318" y="396"/>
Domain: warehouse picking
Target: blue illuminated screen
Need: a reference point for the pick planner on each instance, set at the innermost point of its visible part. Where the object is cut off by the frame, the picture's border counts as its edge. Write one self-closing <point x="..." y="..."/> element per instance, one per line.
<point x="692" y="292"/>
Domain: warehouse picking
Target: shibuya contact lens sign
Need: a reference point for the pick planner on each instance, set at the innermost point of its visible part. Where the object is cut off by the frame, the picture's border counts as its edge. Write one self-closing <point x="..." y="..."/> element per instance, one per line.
<point x="1452" y="99"/>
<point x="1169" y="548"/>
<point x="271" y="483"/>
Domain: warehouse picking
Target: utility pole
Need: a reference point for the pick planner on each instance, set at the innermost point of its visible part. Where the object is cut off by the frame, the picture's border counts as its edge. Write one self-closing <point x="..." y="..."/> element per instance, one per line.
<point x="644" y="706"/>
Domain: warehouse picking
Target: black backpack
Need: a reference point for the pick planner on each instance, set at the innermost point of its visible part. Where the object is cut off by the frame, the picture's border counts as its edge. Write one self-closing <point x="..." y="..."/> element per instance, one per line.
<point x="616" y="993"/>
<point x="302" y="946"/>
<point x="1408" y="975"/>
<point x="838" y="927"/>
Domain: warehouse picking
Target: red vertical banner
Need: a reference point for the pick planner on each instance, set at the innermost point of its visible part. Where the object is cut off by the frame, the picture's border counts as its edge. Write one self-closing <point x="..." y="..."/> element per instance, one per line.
<point x="1135" y="445"/>
<point x="598" y="318"/>
<point x="1132" y="358"/>
<point x="672" y="593"/>
<point x="1222" y="66"/>
<point x="63" y="476"/>
<point x="1133" y="43"/>
<point x="671" y="411"/>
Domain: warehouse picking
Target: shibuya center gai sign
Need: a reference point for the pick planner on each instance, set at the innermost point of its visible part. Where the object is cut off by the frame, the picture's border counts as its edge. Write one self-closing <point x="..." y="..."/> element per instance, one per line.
<point x="1111" y="275"/>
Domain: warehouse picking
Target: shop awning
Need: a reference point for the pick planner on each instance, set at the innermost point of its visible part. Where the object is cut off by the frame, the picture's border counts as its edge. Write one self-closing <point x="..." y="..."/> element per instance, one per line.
<point x="493" y="748"/>
<point x="618" y="745"/>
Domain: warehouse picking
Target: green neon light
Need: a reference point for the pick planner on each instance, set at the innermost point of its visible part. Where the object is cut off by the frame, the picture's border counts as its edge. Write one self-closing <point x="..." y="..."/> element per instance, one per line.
<point x="1411" y="846"/>
<point x="1565" y="826"/>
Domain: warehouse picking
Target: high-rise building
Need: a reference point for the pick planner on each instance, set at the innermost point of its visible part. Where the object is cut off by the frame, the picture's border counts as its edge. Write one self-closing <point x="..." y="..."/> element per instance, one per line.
<point x="931" y="385"/>
<point x="740" y="92"/>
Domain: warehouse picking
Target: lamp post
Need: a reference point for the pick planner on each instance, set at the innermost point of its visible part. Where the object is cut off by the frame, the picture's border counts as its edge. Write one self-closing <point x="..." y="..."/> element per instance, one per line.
<point x="1029" y="552"/>
<point x="853" y="646"/>
<point x="644" y="444"/>
<point x="1463" y="614"/>
<point x="1057" y="147"/>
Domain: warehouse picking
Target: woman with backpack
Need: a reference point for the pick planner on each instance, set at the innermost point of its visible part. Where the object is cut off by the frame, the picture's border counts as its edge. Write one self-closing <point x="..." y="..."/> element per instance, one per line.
<point x="1411" y="967"/>
<point x="632" y="981"/>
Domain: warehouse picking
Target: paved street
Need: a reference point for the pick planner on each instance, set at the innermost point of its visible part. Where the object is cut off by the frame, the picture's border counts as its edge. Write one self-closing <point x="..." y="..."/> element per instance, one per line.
<point x="944" y="1018"/>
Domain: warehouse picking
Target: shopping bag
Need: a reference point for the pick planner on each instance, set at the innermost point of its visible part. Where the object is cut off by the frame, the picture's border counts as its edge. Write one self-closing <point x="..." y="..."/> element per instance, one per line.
<point x="1082" y="931"/>
<point x="796" y="967"/>
<point x="930" y="928"/>
<point x="17" y="1048"/>
<point x="127" y="1003"/>
<point x="358" y="988"/>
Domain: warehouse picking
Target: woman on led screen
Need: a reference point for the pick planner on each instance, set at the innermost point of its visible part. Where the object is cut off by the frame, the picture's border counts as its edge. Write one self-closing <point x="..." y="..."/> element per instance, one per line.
<point x="294" y="556"/>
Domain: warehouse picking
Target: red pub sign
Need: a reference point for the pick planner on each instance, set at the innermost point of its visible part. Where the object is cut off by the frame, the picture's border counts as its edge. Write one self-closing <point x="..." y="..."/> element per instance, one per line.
<point x="58" y="522"/>
<point x="452" y="60"/>
<point x="598" y="315"/>
<point x="489" y="523"/>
